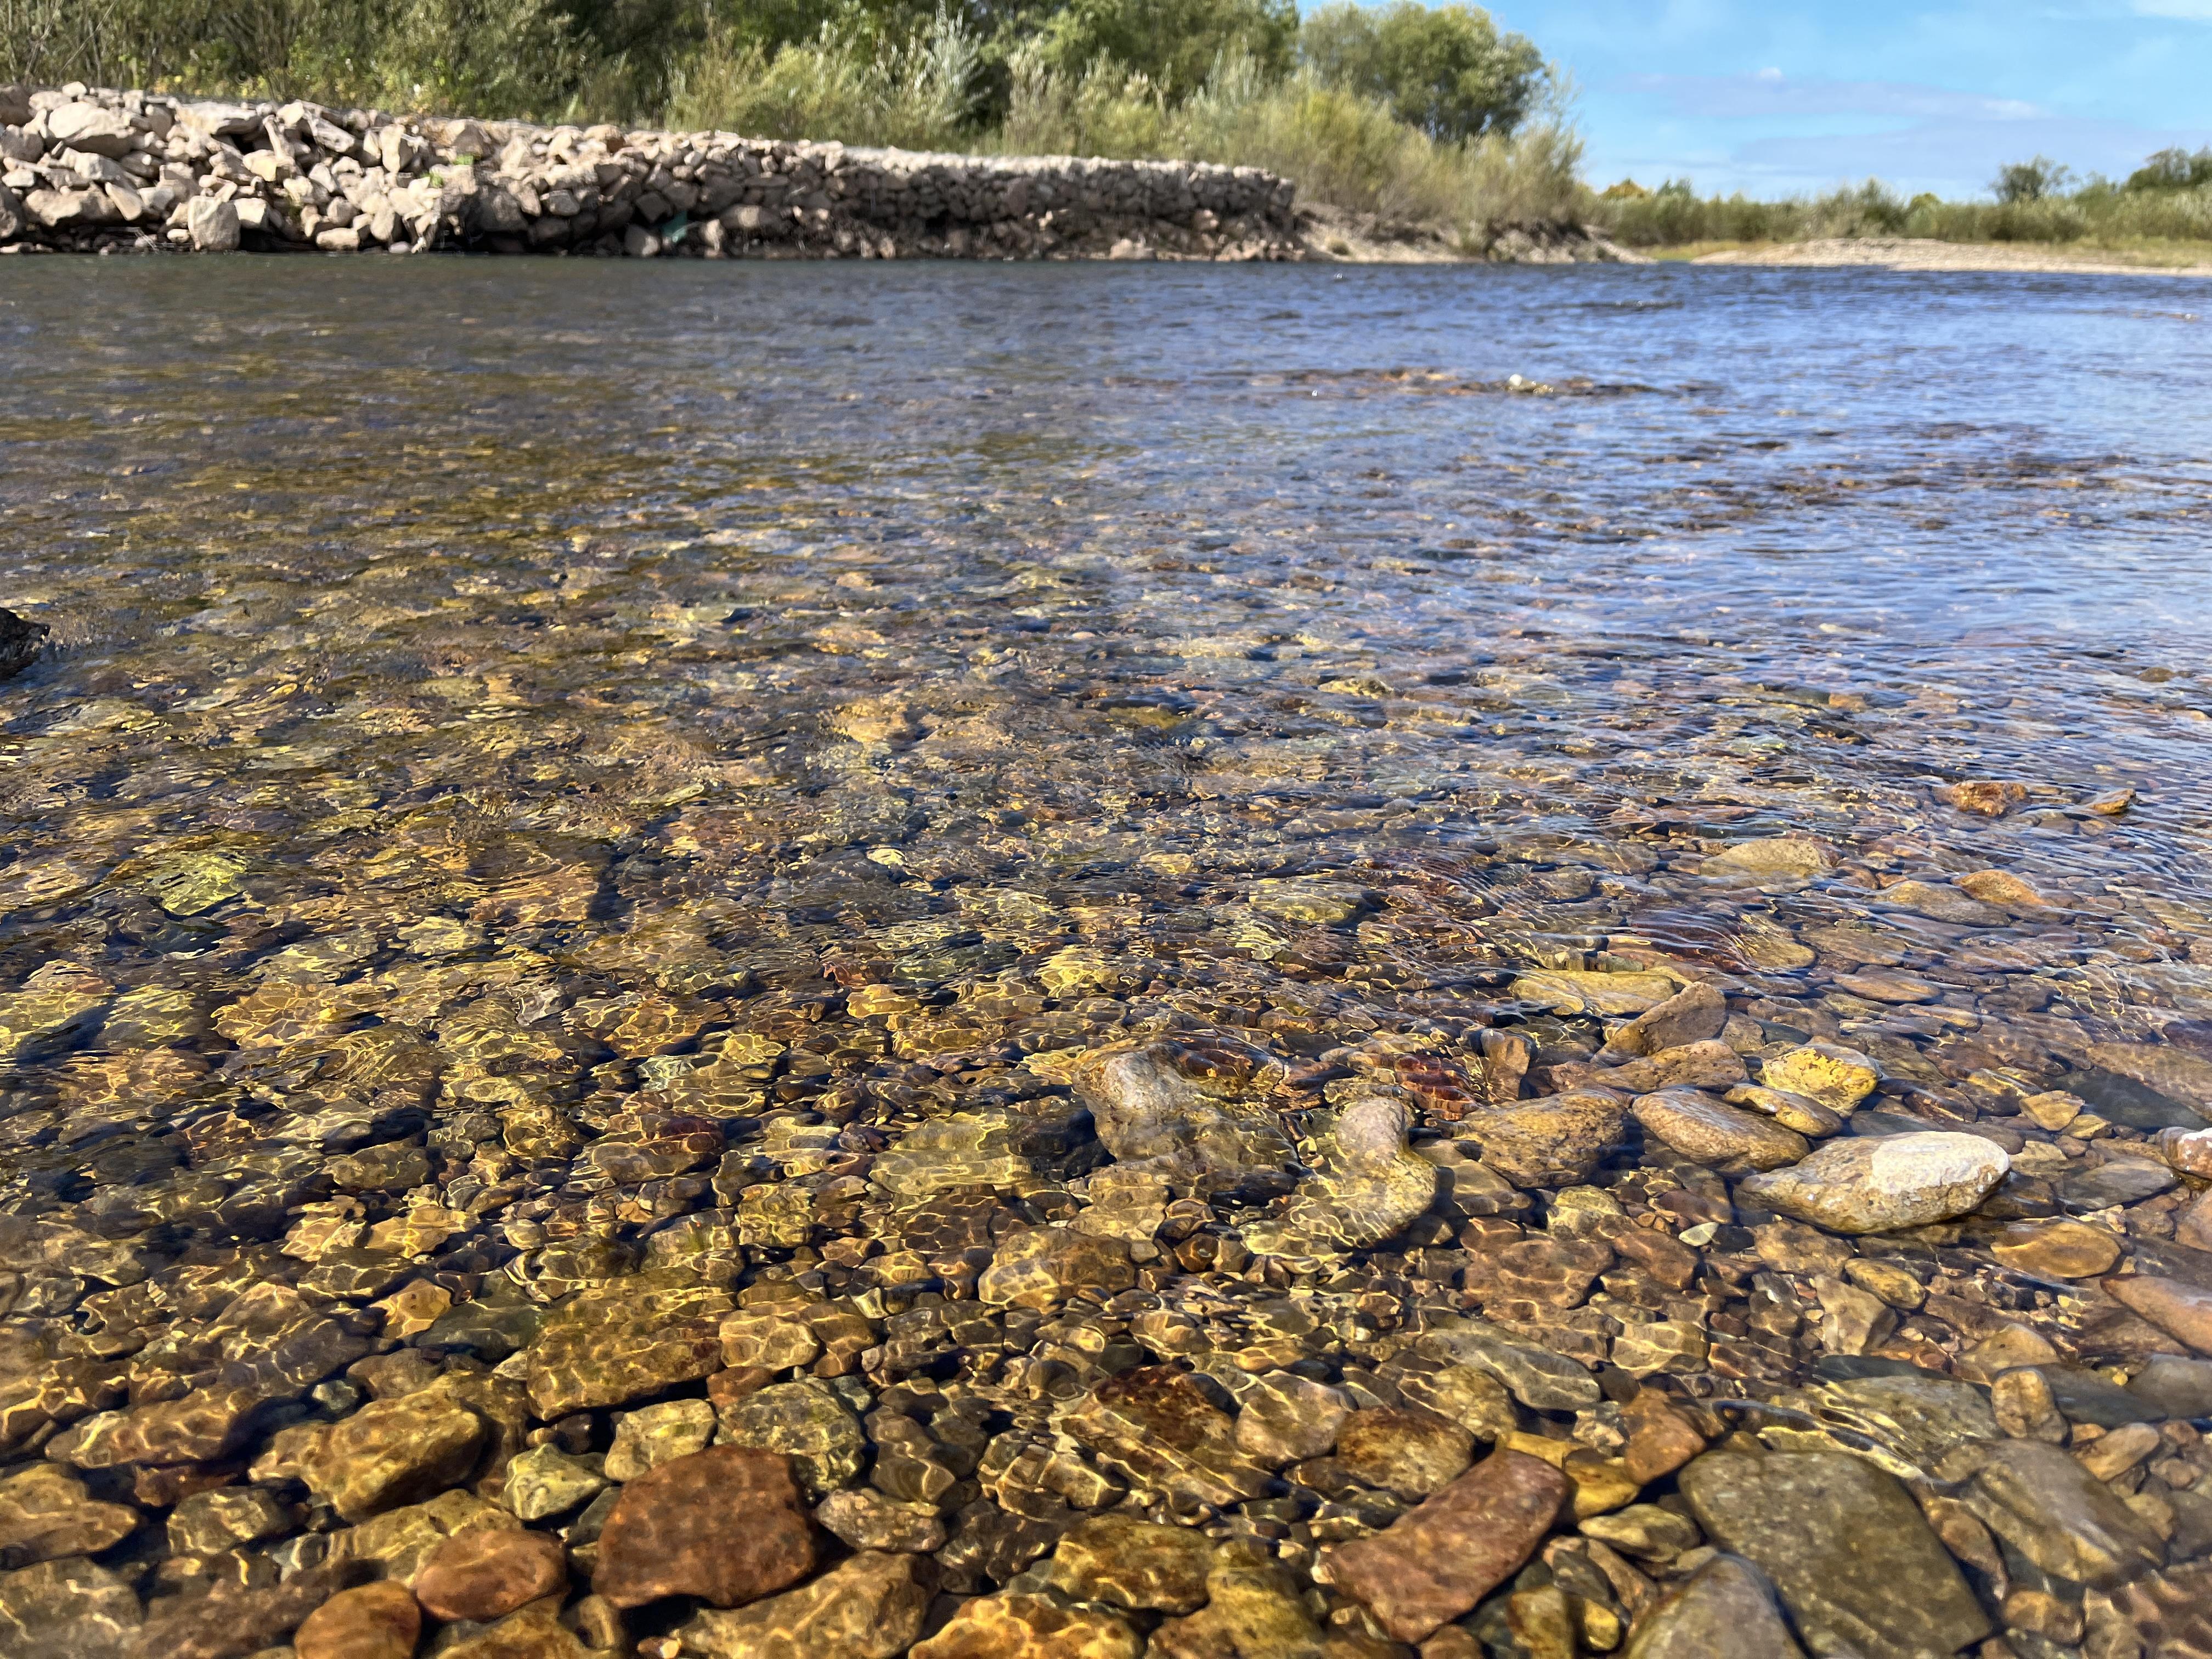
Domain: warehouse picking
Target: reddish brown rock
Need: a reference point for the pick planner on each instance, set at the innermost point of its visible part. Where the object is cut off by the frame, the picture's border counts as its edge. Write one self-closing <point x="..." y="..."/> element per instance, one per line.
<point x="1660" y="1439"/>
<point x="376" y="1621"/>
<point x="484" y="1575"/>
<point x="2056" y="1249"/>
<point x="726" y="1525"/>
<point x="1433" y="1564"/>
<point x="2180" y="1310"/>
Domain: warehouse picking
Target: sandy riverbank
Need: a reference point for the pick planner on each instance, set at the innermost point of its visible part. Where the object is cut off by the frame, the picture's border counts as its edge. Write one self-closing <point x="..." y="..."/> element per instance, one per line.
<point x="1904" y="253"/>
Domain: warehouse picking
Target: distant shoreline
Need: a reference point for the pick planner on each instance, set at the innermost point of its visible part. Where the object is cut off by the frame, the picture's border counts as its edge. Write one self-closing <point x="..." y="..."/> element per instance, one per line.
<point x="1329" y="235"/>
<point x="1924" y="254"/>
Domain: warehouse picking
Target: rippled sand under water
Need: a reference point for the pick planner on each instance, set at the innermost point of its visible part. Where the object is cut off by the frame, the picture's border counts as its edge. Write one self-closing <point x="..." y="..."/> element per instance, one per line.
<point x="1223" y="962"/>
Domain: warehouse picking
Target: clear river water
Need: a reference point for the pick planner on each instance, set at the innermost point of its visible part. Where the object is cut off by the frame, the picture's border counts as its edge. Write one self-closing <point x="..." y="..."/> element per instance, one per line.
<point x="567" y="804"/>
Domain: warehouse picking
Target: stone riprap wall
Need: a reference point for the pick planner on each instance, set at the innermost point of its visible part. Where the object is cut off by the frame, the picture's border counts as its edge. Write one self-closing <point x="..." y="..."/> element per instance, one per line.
<point x="91" y="170"/>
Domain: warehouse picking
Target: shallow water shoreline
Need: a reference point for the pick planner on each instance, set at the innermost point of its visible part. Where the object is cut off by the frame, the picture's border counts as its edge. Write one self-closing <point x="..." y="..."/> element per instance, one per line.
<point x="1921" y="253"/>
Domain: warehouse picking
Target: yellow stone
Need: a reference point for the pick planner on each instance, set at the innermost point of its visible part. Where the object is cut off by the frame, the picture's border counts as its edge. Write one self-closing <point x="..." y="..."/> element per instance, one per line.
<point x="1569" y="991"/>
<point x="1074" y="970"/>
<point x="2053" y="1110"/>
<point x="763" y="1339"/>
<point x="418" y="1232"/>
<point x="325" y="1228"/>
<point x="1773" y="949"/>
<point x="1601" y="1485"/>
<point x="188" y="883"/>
<point x="2057" y="1249"/>
<point x="1838" y="1077"/>
<point x="414" y="1307"/>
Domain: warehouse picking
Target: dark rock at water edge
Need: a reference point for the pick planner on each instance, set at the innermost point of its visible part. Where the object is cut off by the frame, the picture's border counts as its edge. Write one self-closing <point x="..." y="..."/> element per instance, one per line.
<point x="21" y="642"/>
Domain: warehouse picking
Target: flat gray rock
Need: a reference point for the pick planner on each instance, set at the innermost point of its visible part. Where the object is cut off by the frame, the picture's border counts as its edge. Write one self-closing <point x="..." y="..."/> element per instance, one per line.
<point x="1725" y="1610"/>
<point x="2122" y="1180"/>
<point x="1877" y="1186"/>
<point x="2170" y="1386"/>
<point x="2044" y="1503"/>
<point x="1854" y="1560"/>
<point x="2084" y="1396"/>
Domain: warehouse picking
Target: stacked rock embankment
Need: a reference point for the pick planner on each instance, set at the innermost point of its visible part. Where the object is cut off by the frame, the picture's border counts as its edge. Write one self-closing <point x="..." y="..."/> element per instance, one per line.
<point x="88" y="170"/>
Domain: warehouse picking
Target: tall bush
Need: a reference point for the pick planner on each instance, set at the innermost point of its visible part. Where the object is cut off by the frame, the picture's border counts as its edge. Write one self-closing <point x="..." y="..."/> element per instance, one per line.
<point x="1174" y="43"/>
<point x="913" y="94"/>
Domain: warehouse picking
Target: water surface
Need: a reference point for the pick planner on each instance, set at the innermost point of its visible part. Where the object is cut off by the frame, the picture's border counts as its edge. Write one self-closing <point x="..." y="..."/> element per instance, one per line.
<point x="493" y="702"/>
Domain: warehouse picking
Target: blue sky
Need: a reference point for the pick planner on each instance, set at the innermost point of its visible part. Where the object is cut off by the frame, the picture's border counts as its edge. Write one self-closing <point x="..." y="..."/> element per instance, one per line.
<point x="1772" y="100"/>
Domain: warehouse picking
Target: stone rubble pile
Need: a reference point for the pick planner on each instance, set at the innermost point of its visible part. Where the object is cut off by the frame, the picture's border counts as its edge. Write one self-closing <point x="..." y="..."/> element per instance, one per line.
<point x="83" y="169"/>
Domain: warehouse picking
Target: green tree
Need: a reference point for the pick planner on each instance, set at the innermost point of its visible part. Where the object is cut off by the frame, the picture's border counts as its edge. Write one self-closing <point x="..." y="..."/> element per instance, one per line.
<point x="477" y="56"/>
<point x="1174" y="43"/>
<point x="1445" y="70"/>
<point x="2035" y="180"/>
<point x="2173" y="170"/>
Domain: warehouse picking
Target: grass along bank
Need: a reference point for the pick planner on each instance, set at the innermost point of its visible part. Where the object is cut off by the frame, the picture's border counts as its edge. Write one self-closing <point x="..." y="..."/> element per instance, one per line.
<point x="2158" y="218"/>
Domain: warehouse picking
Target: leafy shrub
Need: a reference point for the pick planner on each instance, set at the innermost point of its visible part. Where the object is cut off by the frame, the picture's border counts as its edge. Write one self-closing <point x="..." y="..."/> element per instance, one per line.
<point x="1174" y="43"/>
<point x="1674" y="216"/>
<point x="913" y="94"/>
<point x="48" y="41"/>
<point x="1343" y="149"/>
<point x="2032" y="180"/>
<point x="2173" y="169"/>
<point x="1105" y="110"/>
<point x="487" y="57"/>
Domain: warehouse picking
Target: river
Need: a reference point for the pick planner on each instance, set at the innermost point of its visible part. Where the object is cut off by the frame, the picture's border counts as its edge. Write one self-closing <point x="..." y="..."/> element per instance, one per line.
<point x="570" y="779"/>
